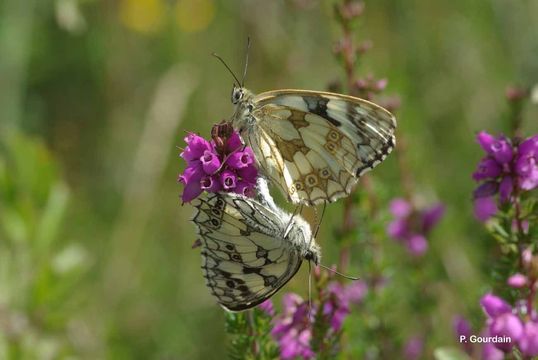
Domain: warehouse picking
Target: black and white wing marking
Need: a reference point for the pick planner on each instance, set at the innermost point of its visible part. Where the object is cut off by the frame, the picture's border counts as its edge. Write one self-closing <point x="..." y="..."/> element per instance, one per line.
<point x="245" y="257"/>
<point x="315" y="145"/>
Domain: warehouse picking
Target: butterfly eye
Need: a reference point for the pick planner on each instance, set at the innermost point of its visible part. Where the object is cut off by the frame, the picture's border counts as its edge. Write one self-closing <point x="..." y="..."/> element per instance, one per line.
<point x="237" y="95"/>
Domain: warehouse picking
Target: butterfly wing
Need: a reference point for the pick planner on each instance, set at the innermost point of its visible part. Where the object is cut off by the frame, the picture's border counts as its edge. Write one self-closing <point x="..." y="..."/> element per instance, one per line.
<point x="315" y="145"/>
<point x="244" y="257"/>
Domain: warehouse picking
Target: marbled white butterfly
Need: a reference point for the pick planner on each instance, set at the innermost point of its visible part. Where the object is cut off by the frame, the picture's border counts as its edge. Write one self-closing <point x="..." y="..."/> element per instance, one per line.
<point x="250" y="247"/>
<point x="313" y="145"/>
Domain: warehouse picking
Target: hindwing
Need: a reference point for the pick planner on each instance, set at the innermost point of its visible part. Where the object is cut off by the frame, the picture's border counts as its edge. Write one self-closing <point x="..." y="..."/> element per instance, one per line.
<point x="245" y="257"/>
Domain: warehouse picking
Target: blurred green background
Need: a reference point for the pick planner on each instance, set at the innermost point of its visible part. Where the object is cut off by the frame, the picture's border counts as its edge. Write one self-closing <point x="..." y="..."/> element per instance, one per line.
<point x="96" y="96"/>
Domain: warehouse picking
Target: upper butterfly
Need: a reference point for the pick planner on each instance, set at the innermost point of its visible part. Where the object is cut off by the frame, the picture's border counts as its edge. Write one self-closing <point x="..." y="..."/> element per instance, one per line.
<point x="313" y="145"/>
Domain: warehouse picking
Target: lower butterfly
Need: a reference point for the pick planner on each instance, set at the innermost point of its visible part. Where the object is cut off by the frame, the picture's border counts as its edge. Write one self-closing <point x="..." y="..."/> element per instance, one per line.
<point x="250" y="248"/>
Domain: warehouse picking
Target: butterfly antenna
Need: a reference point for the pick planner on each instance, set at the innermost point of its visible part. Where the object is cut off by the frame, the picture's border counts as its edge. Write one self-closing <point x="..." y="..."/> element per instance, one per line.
<point x="338" y="273"/>
<point x="320" y="219"/>
<point x="246" y="63"/>
<point x="227" y="67"/>
<point x="310" y="289"/>
<point x="298" y="209"/>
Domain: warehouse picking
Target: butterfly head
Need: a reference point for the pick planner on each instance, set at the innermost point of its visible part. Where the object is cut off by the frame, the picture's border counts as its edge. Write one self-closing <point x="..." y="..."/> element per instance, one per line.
<point x="300" y="234"/>
<point x="313" y="254"/>
<point x="238" y="92"/>
<point x="244" y="105"/>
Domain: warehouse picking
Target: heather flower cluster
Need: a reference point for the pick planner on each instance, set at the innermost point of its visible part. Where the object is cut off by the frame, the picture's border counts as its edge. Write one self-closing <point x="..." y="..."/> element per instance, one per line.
<point x="222" y="164"/>
<point x="503" y="322"/>
<point x="294" y="328"/>
<point x="519" y="323"/>
<point x="510" y="165"/>
<point x="411" y="226"/>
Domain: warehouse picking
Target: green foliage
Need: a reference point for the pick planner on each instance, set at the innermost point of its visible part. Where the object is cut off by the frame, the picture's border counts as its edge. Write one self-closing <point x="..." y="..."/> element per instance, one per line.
<point x="38" y="272"/>
<point x="250" y="336"/>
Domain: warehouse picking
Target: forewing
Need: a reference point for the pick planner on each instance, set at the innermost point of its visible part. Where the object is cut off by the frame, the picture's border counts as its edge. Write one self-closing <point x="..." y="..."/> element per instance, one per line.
<point x="315" y="145"/>
<point x="244" y="259"/>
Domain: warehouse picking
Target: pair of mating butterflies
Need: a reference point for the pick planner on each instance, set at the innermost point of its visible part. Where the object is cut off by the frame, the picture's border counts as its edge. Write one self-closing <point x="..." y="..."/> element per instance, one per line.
<point x="313" y="146"/>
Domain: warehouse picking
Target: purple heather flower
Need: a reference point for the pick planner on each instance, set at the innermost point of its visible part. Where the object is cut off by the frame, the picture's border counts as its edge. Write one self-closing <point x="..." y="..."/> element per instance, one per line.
<point x="509" y="325"/>
<point x="485" y="140"/>
<point x="191" y="174"/>
<point x="524" y="226"/>
<point x="413" y="348"/>
<point x="462" y="328"/>
<point x="505" y="189"/>
<point x="234" y="143"/>
<point x="526" y="257"/>
<point x="267" y="307"/>
<point x="245" y="188"/>
<point x="400" y="208"/>
<point x="501" y="150"/>
<point x="494" y="306"/>
<point x="241" y="159"/>
<point x="410" y="225"/>
<point x="210" y="162"/>
<point x="293" y="329"/>
<point x="487" y="168"/>
<point x="530" y="145"/>
<point x="248" y="174"/>
<point x="528" y="343"/>
<point x="517" y="280"/>
<point x="490" y="352"/>
<point x="417" y="245"/>
<point x="356" y="291"/>
<point x="340" y="300"/>
<point x="196" y="145"/>
<point x="191" y="179"/>
<point x="337" y="307"/>
<point x="527" y="163"/>
<point x="431" y="216"/>
<point x="484" y="208"/>
<point x="489" y="188"/>
<point x="397" y="229"/>
<point x="210" y="183"/>
<point x="207" y="169"/>
<point x="228" y="179"/>
<point x="505" y="166"/>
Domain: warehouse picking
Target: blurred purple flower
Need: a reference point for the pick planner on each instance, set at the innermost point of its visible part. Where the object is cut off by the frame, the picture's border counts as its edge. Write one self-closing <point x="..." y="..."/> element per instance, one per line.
<point x="411" y="225"/>
<point x="340" y="300"/>
<point x="505" y="165"/>
<point x="417" y="245"/>
<point x="400" y="208"/>
<point x="292" y="330"/>
<point x="413" y="348"/>
<point x="487" y="168"/>
<point x="508" y="325"/>
<point x="490" y="352"/>
<point x="485" y="208"/>
<point x="462" y="328"/>
<point x="517" y="280"/>
<point x="267" y="307"/>
<point x="494" y="306"/>
<point x="223" y="164"/>
<point x="528" y="343"/>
